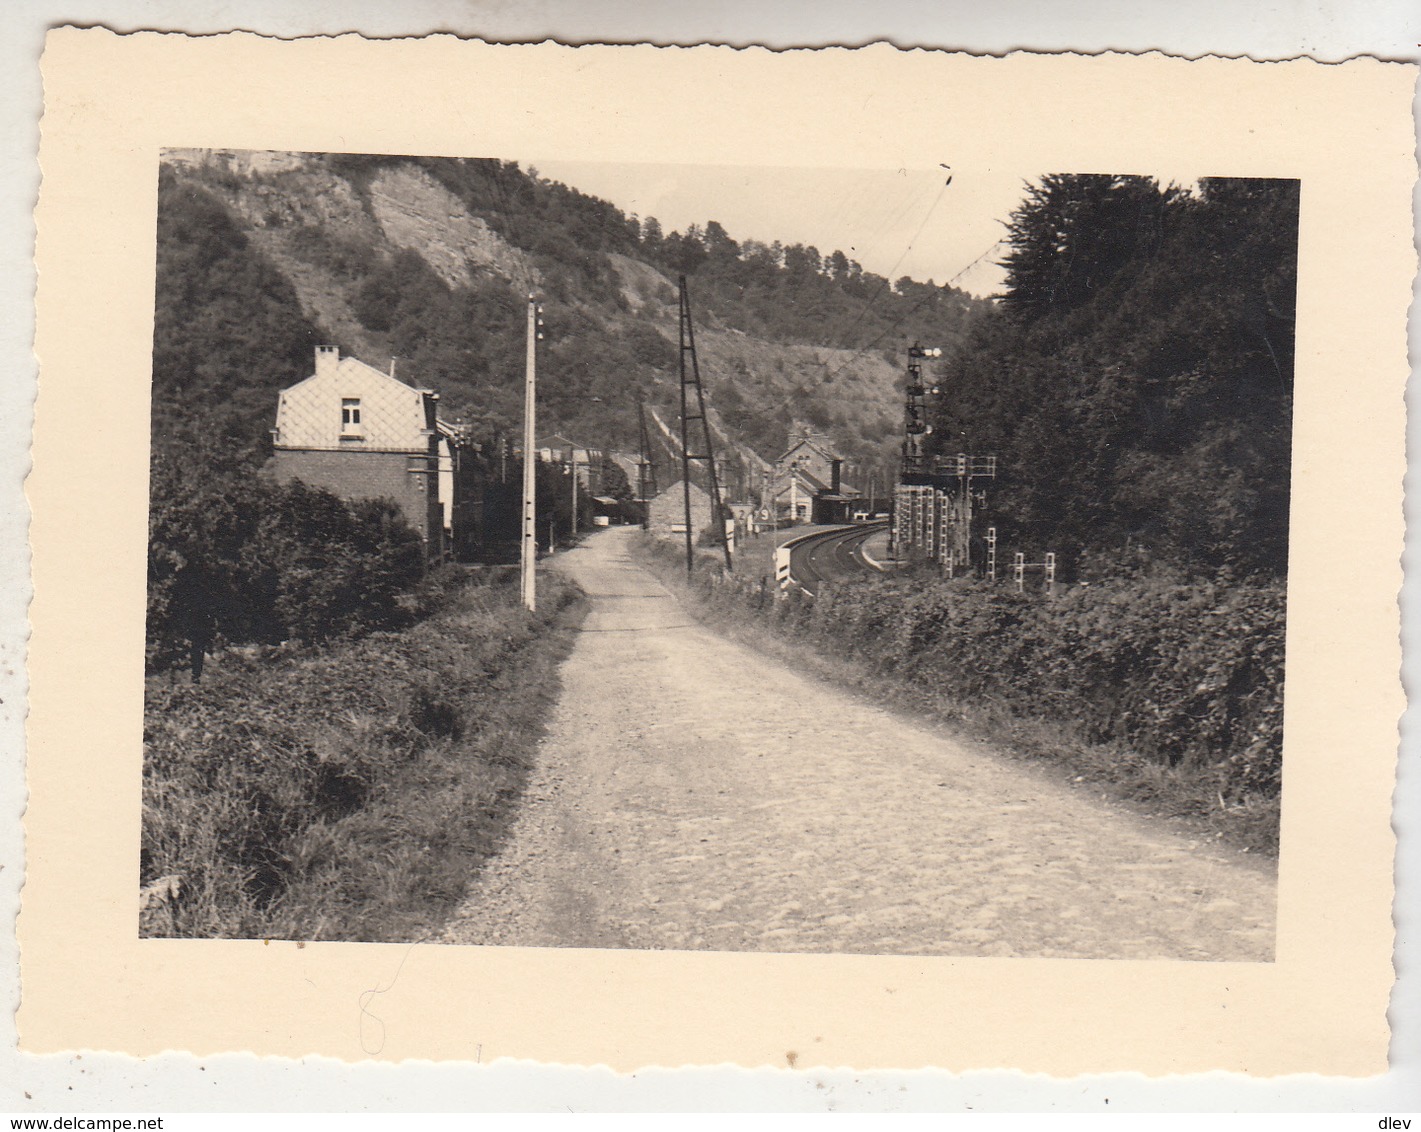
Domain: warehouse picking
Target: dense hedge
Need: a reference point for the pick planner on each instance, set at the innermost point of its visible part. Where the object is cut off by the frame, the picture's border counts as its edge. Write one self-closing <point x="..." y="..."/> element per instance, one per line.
<point x="349" y="791"/>
<point x="1186" y="674"/>
<point x="234" y="556"/>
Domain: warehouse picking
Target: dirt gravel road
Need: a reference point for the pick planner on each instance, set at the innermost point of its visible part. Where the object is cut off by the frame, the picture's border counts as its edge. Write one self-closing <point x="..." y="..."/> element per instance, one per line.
<point x="693" y="794"/>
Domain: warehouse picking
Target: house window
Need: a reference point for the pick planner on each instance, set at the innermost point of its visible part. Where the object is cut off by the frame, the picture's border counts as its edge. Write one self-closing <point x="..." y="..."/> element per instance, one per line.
<point x="350" y="417"/>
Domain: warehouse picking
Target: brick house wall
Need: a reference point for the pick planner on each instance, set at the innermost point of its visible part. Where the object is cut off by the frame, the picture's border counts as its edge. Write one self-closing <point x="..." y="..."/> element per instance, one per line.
<point x="401" y="477"/>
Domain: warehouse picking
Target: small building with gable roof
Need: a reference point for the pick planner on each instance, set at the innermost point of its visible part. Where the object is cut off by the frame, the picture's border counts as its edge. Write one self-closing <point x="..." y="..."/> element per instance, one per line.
<point x="806" y="484"/>
<point x="667" y="512"/>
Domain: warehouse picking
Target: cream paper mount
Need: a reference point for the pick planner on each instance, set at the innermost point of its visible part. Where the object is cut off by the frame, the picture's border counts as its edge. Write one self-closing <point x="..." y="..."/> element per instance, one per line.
<point x="112" y="103"/>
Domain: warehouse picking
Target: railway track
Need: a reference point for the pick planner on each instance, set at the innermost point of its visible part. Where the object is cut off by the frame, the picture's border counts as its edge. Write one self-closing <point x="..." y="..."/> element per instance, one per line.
<point x="831" y="556"/>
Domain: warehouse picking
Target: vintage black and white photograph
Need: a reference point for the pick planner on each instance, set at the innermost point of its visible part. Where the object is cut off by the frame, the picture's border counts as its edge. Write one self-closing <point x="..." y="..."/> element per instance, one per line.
<point x="562" y="554"/>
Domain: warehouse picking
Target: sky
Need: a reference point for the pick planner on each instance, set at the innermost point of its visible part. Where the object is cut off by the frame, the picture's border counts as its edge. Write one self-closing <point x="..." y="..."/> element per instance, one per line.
<point x="895" y="222"/>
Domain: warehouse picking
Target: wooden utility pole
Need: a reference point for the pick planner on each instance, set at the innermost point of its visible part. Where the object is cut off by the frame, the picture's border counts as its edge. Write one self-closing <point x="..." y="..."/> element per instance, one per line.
<point x="645" y="469"/>
<point x="572" y="468"/>
<point x="529" y="555"/>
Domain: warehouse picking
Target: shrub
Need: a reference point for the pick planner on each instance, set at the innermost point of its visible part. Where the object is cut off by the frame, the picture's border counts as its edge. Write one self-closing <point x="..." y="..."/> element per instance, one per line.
<point x="233" y="555"/>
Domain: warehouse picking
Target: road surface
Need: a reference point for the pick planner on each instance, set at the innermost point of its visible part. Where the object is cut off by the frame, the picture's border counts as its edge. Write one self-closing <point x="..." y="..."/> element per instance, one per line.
<point x="694" y="794"/>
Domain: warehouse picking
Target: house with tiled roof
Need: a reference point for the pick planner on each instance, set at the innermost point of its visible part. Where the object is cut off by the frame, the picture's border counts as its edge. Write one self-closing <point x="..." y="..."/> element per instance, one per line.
<point x="361" y="433"/>
<point x="560" y="449"/>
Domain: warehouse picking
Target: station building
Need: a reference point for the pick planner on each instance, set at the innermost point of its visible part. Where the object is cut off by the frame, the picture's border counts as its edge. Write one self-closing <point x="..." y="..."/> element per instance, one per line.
<point x="806" y="484"/>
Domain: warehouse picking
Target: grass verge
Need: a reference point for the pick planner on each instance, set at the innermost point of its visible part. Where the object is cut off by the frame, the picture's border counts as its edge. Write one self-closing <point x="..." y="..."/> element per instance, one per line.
<point x="349" y="792"/>
<point x="1201" y="796"/>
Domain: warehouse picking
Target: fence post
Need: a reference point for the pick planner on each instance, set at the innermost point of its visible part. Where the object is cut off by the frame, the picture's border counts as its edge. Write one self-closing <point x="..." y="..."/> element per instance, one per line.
<point x="782" y="569"/>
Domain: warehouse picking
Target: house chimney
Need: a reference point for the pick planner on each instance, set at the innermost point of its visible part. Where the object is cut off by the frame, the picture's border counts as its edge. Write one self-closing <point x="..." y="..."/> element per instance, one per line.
<point x="834" y="477"/>
<point x="327" y="358"/>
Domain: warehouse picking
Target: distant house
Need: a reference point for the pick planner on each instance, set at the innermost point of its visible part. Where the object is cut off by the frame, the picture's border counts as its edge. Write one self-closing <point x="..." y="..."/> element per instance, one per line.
<point x="806" y="484"/>
<point x="667" y="512"/>
<point x="559" y="449"/>
<point x="363" y="434"/>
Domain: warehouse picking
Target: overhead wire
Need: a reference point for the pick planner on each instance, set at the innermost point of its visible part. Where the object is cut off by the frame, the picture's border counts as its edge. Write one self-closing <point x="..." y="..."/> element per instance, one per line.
<point x="862" y="350"/>
<point x="873" y="223"/>
<point x="888" y="278"/>
<point x="884" y="224"/>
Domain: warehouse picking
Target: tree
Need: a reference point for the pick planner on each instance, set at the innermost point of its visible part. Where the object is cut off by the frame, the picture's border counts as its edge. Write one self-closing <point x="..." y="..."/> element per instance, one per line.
<point x="1074" y="233"/>
<point x="614" y="480"/>
<point x="721" y="250"/>
<point x="802" y="262"/>
<point x="233" y="555"/>
<point x="684" y="253"/>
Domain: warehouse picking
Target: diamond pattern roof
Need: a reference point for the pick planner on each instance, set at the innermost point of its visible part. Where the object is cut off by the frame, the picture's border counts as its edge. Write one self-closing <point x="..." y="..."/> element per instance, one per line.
<point x="392" y="414"/>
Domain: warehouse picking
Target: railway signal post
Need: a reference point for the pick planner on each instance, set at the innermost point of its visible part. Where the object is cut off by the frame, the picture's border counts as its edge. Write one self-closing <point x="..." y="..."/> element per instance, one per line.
<point x="933" y="502"/>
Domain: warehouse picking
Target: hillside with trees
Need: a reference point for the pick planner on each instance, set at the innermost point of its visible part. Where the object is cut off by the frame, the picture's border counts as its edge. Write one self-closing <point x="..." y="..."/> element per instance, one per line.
<point x="228" y="330"/>
<point x="1134" y="380"/>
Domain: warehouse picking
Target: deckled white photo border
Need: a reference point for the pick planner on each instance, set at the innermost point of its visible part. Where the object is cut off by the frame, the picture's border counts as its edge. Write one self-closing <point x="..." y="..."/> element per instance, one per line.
<point x="113" y="102"/>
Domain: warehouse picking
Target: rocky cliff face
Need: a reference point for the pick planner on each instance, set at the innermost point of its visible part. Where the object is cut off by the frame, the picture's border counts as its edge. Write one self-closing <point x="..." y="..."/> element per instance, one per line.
<point x="415" y="212"/>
